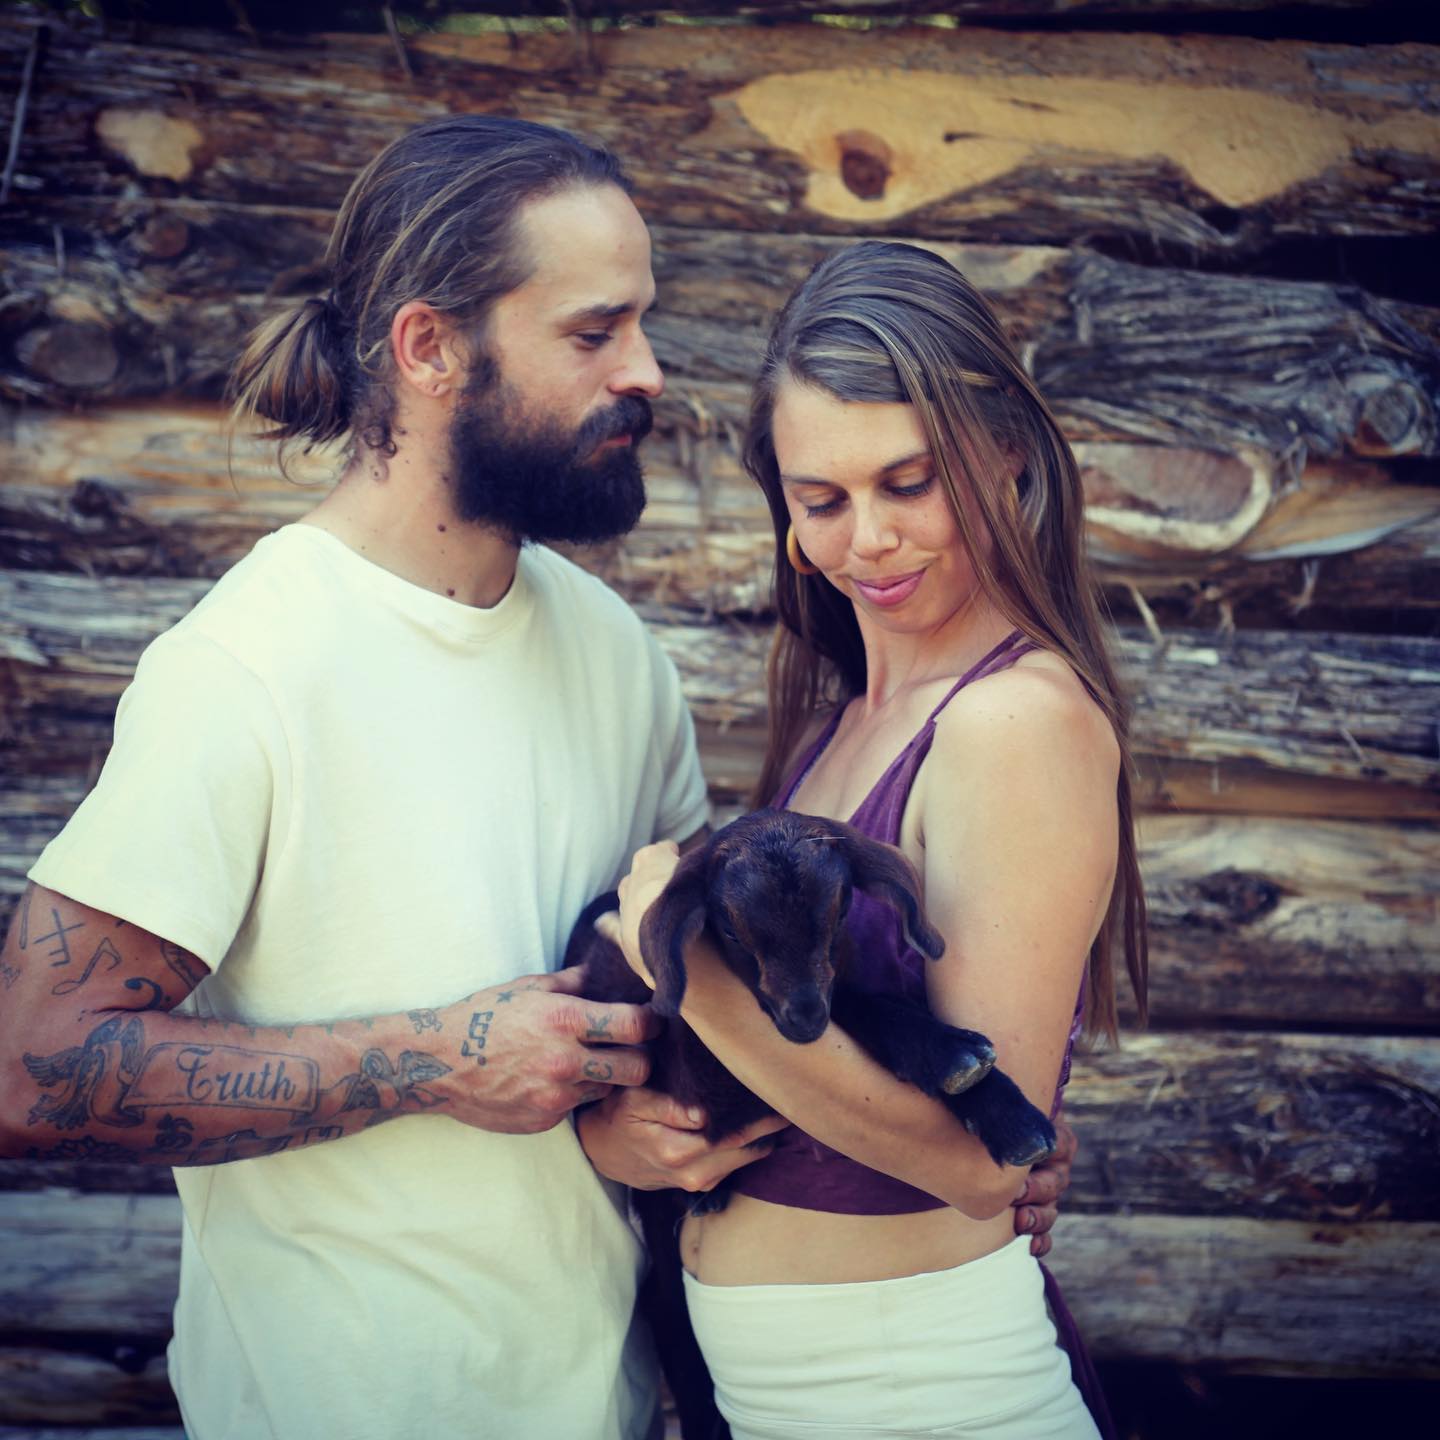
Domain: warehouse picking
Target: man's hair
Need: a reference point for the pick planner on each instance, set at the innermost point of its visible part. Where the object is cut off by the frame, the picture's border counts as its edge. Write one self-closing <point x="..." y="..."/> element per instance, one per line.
<point x="433" y="217"/>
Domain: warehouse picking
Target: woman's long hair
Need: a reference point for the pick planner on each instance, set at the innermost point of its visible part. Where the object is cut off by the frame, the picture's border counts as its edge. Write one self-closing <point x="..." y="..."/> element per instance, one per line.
<point x="886" y="323"/>
<point x="433" y="217"/>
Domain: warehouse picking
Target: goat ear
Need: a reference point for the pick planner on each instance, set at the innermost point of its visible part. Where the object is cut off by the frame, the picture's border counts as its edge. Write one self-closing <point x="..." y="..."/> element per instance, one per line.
<point x="882" y="871"/>
<point x="670" y="924"/>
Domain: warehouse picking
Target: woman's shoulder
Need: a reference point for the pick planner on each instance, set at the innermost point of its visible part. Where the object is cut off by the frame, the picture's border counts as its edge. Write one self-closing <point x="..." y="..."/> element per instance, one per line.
<point x="1037" y="706"/>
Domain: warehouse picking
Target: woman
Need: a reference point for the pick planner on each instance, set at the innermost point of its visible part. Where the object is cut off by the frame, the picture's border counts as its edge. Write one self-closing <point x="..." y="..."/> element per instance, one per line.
<point x="939" y="679"/>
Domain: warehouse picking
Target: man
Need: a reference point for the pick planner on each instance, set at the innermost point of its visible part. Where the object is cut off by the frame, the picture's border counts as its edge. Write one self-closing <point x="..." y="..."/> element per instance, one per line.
<point x="383" y="765"/>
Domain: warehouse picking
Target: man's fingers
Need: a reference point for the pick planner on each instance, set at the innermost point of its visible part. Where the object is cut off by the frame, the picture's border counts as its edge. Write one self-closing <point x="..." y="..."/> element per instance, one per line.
<point x="616" y="1024"/>
<point x="615" y="1065"/>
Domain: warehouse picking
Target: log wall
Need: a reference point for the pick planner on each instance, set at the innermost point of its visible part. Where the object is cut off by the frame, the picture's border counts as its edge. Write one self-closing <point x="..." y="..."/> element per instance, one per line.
<point x="1253" y="397"/>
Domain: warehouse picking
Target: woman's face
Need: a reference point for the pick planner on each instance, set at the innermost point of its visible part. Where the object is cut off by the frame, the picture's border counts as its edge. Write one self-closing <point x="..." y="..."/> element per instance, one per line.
<point x="868" y="507"/>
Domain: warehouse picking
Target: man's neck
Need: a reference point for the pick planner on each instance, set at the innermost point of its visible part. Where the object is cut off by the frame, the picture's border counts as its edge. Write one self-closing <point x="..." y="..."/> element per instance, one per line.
<point x="398" y="514"/>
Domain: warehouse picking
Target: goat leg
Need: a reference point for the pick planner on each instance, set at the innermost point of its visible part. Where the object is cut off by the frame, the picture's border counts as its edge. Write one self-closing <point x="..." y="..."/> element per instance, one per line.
<point x="911" y="1043"/>
<point x="996" y="1112"/>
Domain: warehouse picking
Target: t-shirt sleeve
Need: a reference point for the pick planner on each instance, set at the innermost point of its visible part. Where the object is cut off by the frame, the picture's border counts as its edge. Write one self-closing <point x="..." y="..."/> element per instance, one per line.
<point x="684" y="804"/>
<point x="174" y="834"/>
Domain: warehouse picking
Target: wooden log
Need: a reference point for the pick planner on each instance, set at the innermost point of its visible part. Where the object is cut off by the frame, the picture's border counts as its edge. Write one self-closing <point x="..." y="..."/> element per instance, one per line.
<point x="107" y="1432"/>
<point x="1299" y="1127"/>
<point x="1294" y="1127"/>
<point x="1120" y="350"/>
<point x="1286" y="1297"/>
<point x="1195" y="535"/>
<point x="1348" y="707"/>
<point x="1254" y="920"/>
<point x="1268" y="1297"/>
<point x="91" y="1264"/>
<point x="74" y="1387"/>
<point x="945" y="133"/>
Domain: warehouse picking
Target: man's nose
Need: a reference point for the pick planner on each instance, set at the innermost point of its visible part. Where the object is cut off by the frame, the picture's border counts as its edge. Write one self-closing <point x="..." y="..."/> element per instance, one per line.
<point x="641" y="374"/>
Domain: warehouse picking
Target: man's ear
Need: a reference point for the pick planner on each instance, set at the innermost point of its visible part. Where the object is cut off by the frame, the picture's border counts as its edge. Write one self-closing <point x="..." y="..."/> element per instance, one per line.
<point x="424" y="346"/>
<point x="670" y="924"/>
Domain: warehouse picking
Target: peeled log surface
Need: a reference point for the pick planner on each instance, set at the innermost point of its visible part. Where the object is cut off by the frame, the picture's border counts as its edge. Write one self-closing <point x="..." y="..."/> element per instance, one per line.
<point x="1275" y="1297"/>
<point x="1342" y="707"/>
<point x="1358" y="708"/>
<point x="1121" y="351"/>
<point x="1197" y="534"/>
<point x="1282" y="1297"/>
<point x="1299" y="1127"/>
<point x="815" y="128"/>
<point x="72" y="1387"/>
<point x="1273" y="921"/>
<point x="1253" y="920"/>
<point x="100" y="1264"/>
<point x="1289" y="1127"/>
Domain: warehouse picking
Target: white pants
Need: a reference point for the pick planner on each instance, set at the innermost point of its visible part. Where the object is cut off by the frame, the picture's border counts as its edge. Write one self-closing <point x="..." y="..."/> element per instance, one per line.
<point x="968" y="1352"/>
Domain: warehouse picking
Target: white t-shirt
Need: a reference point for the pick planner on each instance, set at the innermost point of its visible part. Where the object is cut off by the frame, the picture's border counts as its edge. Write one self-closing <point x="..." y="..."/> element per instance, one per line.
<point x="351" y="796"/>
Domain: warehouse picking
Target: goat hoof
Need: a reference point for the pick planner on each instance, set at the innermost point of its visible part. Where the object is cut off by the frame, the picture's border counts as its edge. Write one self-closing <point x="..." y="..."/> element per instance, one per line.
<point x="967" y="1072"/>
<point x="1031" y="1149"/>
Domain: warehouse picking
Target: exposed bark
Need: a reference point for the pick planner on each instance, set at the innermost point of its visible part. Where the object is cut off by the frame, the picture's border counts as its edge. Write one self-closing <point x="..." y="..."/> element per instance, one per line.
<point x="1277" y="1297"/>
<point x="1301" y="1127"/>
<point x="1270" y="1297"/>
<point x="156" y="298"/>
<point x="73" y="1387"/>
<point x="817" y="128"/>
<point x="97" y="1264"/>
<point x="1296" y="1127"/>
<point x="1357" y="708"/>
<point x="1199" y="535"/>
<point x="1253" y="920"/>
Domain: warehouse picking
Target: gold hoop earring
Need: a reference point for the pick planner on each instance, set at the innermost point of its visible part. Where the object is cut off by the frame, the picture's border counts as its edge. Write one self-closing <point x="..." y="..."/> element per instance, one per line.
<point x="798" y="562"/>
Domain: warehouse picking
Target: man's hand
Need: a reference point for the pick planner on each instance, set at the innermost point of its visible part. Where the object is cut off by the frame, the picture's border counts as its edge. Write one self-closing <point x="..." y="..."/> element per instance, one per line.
<point x="650" y="1141"/>
<point x="526" y="1053"/>
<point x="1038" y="1205"/>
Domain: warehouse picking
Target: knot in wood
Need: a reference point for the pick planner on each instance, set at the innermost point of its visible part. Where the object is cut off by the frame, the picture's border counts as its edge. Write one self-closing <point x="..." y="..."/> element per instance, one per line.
<point x="866" y="162"/>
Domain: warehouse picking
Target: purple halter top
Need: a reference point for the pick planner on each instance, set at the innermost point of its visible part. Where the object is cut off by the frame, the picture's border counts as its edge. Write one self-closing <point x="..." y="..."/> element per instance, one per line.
<point x="800" y="1171"/>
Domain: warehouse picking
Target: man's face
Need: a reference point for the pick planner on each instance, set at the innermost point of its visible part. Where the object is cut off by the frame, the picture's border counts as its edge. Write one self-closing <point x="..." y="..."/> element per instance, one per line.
<point x="543" y="440"/>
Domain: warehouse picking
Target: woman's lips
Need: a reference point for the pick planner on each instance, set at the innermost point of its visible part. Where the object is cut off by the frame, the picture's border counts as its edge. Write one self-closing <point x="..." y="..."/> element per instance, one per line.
<point x="887" y="593"/>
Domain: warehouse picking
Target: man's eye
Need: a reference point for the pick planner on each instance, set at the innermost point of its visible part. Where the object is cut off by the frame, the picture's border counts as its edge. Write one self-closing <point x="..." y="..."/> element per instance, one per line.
<point x="593" y="339"/>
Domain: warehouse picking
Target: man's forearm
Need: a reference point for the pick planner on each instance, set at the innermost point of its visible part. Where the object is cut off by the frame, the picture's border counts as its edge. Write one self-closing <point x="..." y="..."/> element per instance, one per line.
<point x="96" y="1063"/>
<point x="178" y="1090"/>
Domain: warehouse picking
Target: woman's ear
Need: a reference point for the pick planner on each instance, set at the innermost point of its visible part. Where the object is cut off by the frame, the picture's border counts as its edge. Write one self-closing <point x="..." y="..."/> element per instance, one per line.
<point x="670" y="924"/>
<point x="884" y="873"/>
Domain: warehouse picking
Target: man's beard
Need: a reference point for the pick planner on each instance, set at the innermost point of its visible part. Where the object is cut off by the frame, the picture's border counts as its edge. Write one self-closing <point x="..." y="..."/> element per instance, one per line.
<point x="538" y="480"/>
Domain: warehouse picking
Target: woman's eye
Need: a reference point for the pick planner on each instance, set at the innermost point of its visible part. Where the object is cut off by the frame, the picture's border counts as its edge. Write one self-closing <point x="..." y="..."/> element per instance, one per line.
<point x="828" y="507"/>
<point x="914" y="492"/>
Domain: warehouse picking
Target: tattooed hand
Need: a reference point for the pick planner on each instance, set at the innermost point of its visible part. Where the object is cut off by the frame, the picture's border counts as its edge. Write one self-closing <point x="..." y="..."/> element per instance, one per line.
<point x="528" y="1052"/>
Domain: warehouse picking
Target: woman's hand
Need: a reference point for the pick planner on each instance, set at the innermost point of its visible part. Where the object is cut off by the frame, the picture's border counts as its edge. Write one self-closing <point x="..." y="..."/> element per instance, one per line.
<point x="650" y="871"/>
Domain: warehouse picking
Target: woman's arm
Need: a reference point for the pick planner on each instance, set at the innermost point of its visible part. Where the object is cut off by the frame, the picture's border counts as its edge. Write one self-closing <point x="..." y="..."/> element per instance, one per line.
<point x="1018" y="819"/>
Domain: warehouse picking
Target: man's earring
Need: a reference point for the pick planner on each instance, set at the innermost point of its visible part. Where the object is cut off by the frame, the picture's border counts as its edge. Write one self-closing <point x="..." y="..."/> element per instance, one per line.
<point x="797" y="560"/>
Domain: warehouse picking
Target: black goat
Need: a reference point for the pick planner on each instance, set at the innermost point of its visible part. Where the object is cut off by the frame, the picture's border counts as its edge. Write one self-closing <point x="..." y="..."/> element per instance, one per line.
<point x="773" y="888"/>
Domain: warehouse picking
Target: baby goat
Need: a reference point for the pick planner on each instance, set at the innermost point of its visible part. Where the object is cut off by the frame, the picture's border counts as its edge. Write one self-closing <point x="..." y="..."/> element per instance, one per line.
<point x="773" y="888"/>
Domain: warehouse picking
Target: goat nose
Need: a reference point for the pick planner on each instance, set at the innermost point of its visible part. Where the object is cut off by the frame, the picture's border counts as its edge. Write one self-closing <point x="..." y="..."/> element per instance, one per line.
<point x="807" y="1012"/>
